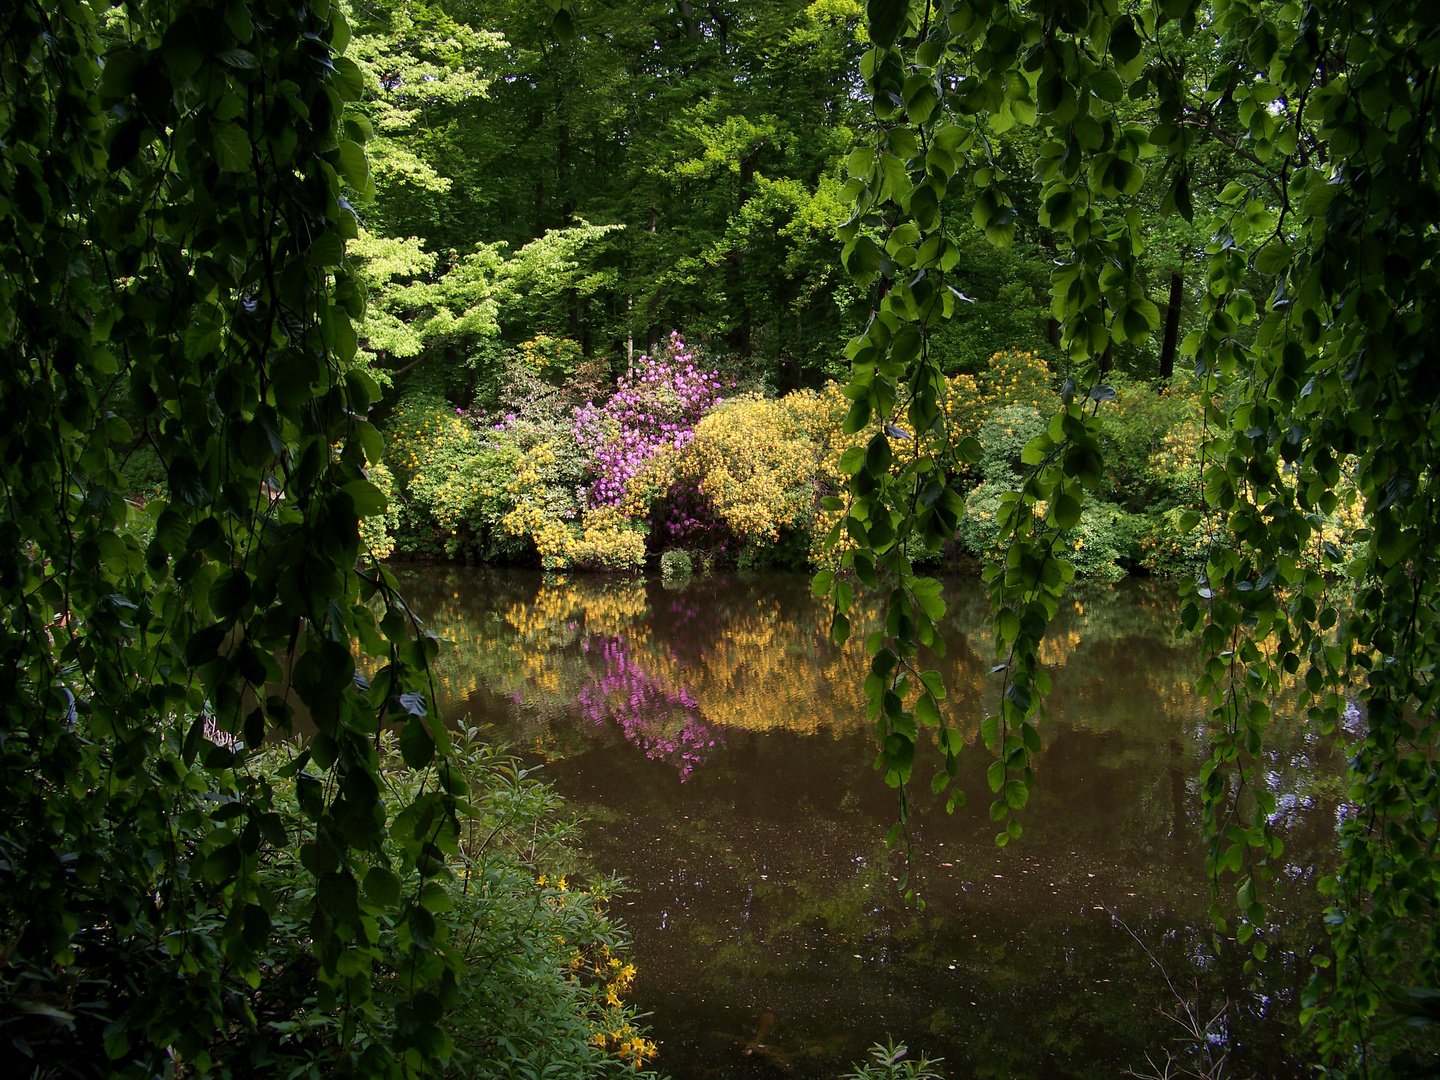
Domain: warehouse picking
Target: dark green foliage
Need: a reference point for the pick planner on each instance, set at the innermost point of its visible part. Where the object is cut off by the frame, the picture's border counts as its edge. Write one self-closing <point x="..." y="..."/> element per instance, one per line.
<point x="176" y="192"/>
<point x="1309" y="130"/>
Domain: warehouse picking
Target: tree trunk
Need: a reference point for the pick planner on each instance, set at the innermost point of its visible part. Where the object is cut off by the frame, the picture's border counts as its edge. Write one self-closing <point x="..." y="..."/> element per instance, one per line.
<point x="1171" y="341"/>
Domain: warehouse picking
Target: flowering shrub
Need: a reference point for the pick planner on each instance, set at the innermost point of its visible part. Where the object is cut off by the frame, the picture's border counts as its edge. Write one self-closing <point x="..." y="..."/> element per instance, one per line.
<point x="557" y="359"/>
<point x="608" y="541"/>
<point x="1013" y="379"/>
<point x="1003" y="436"/>
<point x="666" y="461"/>
<point x="755" y="466"/>
<point x="377" y="533"/>
<point x="541" y="974"/>
<point x="455" y="483"/>
<point x="657" y="409"/>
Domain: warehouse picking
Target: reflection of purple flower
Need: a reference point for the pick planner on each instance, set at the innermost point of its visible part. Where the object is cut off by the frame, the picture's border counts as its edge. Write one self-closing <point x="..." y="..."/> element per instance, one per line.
<point x="665" y="724"/>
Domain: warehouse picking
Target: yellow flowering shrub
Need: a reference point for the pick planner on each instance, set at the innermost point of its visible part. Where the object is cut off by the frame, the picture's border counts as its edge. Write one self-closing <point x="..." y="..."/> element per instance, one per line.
<point x="604" y="538"/>
<point x="608" y="541"/>
<point x="456" y="481"/>
<point x="555" y="358"/>
<point x="377" y="534"/>
<point x="755" y="465"/>
<point x="1014" y="378"/>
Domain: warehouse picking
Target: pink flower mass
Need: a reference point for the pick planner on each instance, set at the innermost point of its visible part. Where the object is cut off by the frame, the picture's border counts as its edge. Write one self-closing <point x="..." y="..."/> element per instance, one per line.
<point x="656" y="408"/>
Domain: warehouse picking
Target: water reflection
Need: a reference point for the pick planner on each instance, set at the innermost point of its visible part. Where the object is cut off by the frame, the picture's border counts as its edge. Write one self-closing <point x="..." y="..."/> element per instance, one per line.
<point x="718" y="744"/>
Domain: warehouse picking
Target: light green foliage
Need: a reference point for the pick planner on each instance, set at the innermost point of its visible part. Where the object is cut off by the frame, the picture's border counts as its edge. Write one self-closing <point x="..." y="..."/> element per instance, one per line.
<point x="422" y="72"/>
<point x="892" y="1061"/>
<point x="448" y="306"/>
<point x="676" y="564"/>
<point x="1314" y="348"/>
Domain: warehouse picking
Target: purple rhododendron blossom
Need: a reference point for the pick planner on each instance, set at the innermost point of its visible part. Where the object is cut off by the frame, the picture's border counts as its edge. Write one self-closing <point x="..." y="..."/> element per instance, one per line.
<point x="658" y="408"/>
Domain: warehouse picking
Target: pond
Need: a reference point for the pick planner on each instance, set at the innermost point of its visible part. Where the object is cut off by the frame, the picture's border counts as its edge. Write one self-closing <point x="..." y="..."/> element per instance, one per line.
<point x="717" y="745"/>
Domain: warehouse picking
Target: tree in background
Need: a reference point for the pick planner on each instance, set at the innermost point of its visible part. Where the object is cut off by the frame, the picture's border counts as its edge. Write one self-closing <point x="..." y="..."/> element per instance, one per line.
<point x="1315" y="344"/>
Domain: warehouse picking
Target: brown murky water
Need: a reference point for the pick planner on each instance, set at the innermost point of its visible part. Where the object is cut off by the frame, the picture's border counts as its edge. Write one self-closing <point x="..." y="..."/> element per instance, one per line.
<point x="718" y="747"/>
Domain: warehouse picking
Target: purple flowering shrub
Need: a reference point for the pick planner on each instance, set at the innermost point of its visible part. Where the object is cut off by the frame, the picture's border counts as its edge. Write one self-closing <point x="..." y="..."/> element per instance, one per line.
<point x="654" y="412"/>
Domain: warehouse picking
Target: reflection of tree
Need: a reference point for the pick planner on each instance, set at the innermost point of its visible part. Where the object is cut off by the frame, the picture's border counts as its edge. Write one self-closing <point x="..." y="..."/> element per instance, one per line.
<point x="744" y="653"/>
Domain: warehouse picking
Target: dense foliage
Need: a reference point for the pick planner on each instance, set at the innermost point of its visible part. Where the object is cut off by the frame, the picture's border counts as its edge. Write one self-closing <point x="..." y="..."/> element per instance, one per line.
<point x="666" y="464"/>
<point x="177" y="895"/>
<point x="1315" y="355"/>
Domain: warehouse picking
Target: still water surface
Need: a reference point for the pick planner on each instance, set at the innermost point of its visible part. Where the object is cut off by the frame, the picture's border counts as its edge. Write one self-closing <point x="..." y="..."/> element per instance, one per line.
<point x="717" y="744"/>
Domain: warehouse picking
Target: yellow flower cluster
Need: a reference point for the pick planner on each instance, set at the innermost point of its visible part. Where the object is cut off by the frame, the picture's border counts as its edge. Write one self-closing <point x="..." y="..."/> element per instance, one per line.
<point x="1013" y="378"/>
<point x="605" y="538"/>
<point x="612" y="1029"/>
<point x="608" y="540"/>
<point x="375" y="532"/>
<point x="426" y="440"/>
<point x="754" y="463"/>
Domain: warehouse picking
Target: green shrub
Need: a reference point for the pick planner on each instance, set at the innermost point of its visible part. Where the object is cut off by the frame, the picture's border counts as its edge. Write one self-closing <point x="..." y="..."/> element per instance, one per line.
<point x="676" y="564"/>
<point x="891" y="1062"/>
<point x="456" y="483"/>
<point x="541" y="966"/>
<point x="1095" y="547"/>
<point x="1003" y="435"/>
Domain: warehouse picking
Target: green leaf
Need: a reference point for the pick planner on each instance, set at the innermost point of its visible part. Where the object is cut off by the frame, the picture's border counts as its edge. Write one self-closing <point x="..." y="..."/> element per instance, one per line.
<point x="239" y="59"/>
<point x="186" y="484"/>
<point x="1125" y="43"/>
<point x="852" y="459"/>
<point x="1037" y="449"/>
<point x="1107" y="85"/>
<point x="368" y="499"/>
<point x="856" y="417"/>
<point x="371" y="441"/>
<point x="417" y="748"/>
<point x="201" y="340"/>
<point x="382" y="887"/>
<point x="117" y="77"/>
<point x="995" y="775"/>
<point x="887" y="19"/>
<point x="863" y="258"/>
<point x="354" y="166"/>
<point x="337" y="896"/>
<point x="1273" y="257"/>
<point x="860" y="161"/>
<point x="348" y="80"/>
<point x="232" y="147"/>
<point x="927" y="711"/>
<point x="1067" y="511"/>
<point x="1016" y="795"/>
<point x="820" y="586"/>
